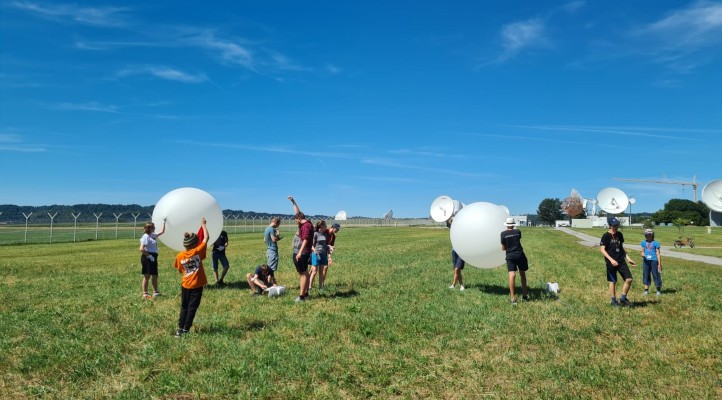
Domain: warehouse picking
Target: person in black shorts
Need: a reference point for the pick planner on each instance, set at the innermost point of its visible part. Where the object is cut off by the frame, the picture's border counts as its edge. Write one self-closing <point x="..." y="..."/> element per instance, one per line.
<point x="615" y="257"/>
<point x="515" y="258"/>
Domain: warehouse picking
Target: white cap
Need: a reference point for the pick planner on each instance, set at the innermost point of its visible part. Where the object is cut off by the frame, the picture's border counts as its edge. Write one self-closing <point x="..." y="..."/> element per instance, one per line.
<point x="510" y="222"/>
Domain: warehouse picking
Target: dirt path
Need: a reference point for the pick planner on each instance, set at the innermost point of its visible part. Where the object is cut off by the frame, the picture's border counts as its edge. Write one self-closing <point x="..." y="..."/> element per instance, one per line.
<point x="589" y="240"/>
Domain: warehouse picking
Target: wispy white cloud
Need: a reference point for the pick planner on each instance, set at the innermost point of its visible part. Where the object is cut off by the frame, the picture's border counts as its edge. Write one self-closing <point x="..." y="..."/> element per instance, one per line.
<point x="11" y="142"/>
<point x="574" y="6"/>
<point x="267" y="149"/>
<point x="396" y="164"/>
<point x="332" y="69"/>
<point x="163" y="72"/>
<point x="89" y="106"/>
<point x="680" y="39"/>
<point x="519" y="36"/>
<point x="623" y="131"/>
<point x="99" y="16"/>
<point x="422" y="153"/>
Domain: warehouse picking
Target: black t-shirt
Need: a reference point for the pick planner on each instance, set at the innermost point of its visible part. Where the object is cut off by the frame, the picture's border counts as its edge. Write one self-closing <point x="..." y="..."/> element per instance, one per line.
<point x="511" y="240"/>
<point x="614" y="245"/>
<point x="221" y="242"/>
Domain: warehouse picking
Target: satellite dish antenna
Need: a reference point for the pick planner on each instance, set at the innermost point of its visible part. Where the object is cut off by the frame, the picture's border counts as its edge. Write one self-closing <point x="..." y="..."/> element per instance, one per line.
<point x="340" y="216"/>
<point x="632" y="200"/>
<point x="612" y="200"/>
<point x="389" y="214"/>
<point x="442" y="209"/>
<point x="712" y="195"/>
<point x="505" y="208"/>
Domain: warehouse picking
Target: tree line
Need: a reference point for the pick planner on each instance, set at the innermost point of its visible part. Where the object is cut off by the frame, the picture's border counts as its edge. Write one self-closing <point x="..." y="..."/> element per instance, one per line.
<point x="675" y="211"/>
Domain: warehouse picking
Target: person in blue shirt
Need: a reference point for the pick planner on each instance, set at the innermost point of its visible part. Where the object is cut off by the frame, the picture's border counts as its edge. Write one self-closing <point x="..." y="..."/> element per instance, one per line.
<point x="652" y="262"/>
<point x="271" y="236"/>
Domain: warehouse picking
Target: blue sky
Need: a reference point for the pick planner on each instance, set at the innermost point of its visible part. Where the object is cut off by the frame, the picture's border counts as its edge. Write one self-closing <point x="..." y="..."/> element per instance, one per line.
<point x="358" y="106"/>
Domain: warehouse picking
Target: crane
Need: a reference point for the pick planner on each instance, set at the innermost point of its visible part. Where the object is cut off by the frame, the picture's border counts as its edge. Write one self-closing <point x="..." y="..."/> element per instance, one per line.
<point x="683" y="183"/>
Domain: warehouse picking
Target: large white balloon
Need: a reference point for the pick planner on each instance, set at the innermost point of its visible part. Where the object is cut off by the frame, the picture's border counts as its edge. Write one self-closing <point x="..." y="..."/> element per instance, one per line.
<point x="183" y="209"/>
<point x="476" y="234"/>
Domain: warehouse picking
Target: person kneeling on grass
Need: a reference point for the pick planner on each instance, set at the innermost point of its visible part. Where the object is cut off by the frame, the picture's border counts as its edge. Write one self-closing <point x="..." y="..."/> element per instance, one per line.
<point x="261" y="279"/>
<point x="190" y="264"/>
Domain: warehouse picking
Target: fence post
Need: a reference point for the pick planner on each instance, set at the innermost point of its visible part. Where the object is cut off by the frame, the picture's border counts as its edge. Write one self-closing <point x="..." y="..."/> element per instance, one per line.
<point x="135" y="222"/>
<point x="75" y="225"/>
<point x="225" y="221"/>
<point x="52" y="218"/>
<point x="235" y="228"/>
<point x="116" y="223"/>
<point x="26" y="225"/>
<point x="97" y="222"/>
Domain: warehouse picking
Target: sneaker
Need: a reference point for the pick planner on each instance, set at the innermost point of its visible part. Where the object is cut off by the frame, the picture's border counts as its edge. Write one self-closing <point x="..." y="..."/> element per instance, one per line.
<point x="513" y="302"/>
<point x="659" y="293"/>
<point x="156" y="294"/>
<point x="462" y="288"/>
<point x="524" y="298"/>
<point x="625" y="302"/>
<point x="180" y="332"/>
<point x="646" y="292"/>
<point x="451" y="287"/>
<point x="147" y="296"/>
<point x="299" y="299"/>
<point x="614" y="303"/>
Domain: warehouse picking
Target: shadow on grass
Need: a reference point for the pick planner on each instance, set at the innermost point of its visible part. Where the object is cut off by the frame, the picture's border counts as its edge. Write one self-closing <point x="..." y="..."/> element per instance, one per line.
<point x="238" y="331"/>
<point x="229" y="285"/>
<point x="535" y="294"/>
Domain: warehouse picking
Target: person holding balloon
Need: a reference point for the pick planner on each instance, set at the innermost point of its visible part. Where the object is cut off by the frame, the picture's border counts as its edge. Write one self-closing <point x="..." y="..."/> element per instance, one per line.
<point x="190" y="264"/>
<point x="149" y="258"/>
<point x="515" y="258"/>
<point x="302" y="250"/>
<point x="458" y="264"/>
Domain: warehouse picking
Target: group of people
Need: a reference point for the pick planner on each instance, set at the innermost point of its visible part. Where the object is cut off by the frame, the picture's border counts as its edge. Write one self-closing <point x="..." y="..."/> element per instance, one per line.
<point x="616" y="259"/>
<point x="312" y="246"/>
<point x="611" y="246"/>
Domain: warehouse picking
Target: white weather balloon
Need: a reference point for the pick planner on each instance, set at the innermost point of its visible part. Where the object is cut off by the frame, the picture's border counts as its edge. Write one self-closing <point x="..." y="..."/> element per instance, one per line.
<point x="475" y="234"/>
<point x="183" y="209"/>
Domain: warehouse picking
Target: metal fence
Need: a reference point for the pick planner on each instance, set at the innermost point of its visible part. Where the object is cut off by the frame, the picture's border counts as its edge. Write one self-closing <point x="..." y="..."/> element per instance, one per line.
<point x="67" y="230"/>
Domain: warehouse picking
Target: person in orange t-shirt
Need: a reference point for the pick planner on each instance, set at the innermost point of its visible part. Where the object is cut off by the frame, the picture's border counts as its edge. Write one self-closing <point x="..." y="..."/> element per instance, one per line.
<point x="190" y="264"/>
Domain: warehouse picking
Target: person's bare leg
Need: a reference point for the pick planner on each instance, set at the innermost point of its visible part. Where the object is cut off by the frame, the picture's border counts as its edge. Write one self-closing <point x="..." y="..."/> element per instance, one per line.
<point x="512" y="278"/>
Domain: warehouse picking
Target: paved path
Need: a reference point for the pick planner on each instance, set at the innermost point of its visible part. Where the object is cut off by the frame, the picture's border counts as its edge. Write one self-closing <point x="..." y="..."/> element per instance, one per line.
<point x="589" y="240"/>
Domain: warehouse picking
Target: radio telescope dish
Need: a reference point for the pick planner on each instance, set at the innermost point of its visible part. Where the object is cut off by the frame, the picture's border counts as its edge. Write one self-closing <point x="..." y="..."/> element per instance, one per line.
<point x="632" y="200"/>
<point x="612" y="200"/>
<point x="389" y="214"/>
<point x="442" y="209"/>
<point x="505" y="208"/>
<point x="712" y="195"/>
<point x="340" y="216"/>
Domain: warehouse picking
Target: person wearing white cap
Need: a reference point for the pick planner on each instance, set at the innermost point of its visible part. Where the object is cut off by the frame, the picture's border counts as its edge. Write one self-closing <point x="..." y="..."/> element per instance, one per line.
<point x="515" y="258"/>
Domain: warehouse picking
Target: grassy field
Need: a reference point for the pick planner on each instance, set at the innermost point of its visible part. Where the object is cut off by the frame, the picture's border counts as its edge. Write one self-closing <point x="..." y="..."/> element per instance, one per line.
<point x="73" y="325"/>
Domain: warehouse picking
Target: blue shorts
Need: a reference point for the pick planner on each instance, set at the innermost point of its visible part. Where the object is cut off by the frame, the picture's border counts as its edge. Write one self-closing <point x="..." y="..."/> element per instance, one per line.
<point x="456" y="260"/>
<point x="219" y="256"/>
<point x="319" y="260"/>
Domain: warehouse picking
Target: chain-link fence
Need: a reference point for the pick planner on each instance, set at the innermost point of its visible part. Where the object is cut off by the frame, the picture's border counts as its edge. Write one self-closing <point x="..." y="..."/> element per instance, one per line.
<point x="58" y="228"/>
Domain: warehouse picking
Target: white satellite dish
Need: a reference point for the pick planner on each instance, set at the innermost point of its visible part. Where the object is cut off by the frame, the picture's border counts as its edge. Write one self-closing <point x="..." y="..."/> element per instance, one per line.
<point x="340" y="216"/>
<point x="712" y="195"/>
<point x="632" y="200"/>
<point x="442" y="209"/>
<point x="505" y="208"/>
<point x="612" y="200"/>
<point x="389" y="214"/>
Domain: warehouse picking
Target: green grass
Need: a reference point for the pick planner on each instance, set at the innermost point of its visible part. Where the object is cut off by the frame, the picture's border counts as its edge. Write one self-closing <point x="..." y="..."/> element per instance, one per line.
<point x="73" y="325"/>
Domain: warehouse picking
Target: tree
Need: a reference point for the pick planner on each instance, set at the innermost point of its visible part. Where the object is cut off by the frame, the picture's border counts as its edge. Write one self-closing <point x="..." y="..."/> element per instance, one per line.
<point x="695" y="213"/>
<point x="550" y="210"/>
<point x="573" y="207"/>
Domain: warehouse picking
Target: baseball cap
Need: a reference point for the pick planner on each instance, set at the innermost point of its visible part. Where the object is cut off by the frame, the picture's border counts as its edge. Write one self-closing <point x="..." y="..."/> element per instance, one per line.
<point x="613" y="221"/>
<point x="337" y="226"/>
